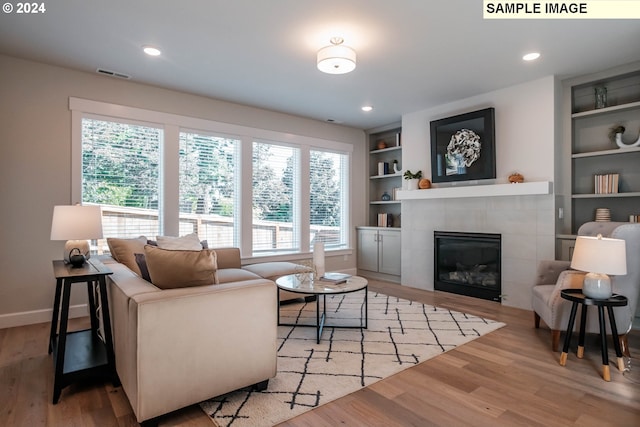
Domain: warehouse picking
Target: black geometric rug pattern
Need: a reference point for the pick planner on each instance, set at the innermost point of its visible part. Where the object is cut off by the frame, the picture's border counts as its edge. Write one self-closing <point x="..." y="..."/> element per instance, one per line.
<point x="400" y="334"/>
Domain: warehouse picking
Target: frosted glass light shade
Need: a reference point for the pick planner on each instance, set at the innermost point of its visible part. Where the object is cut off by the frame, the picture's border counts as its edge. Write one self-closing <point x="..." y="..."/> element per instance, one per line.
<point x="599" y="256"/>
<point x="336" y="59"/>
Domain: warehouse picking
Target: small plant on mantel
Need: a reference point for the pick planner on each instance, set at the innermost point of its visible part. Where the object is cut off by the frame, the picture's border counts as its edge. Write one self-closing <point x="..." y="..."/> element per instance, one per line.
<point x="409" y="175"/>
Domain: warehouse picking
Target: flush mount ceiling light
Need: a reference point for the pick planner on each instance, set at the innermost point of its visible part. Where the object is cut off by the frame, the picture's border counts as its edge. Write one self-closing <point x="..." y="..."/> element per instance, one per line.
<point x="367" y="108"/>
<point x="531" y="56"/>
<point x="151" y="51"/>
<point x="337" y="58"/>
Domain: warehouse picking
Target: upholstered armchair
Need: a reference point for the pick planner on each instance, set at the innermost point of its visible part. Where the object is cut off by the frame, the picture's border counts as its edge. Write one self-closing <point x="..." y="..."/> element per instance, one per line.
<point x="553" y="276"/>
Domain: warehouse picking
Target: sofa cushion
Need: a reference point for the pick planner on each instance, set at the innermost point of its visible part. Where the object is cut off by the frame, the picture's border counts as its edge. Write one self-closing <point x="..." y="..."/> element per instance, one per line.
<point x="124" y="250"/>
<point x="142" y="265"/>
<point x="189" y="242"/>
<point x="181" y="268"/>
<point x="228" y="275"/>
<point x="204" y="243"/>
<point x="274" y="270"/>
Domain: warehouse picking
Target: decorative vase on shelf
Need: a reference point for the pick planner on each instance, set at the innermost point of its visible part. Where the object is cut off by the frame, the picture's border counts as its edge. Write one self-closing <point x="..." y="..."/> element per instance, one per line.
<point x="385" y="197"/>
<point x="396" y="169"/>
<point x="601" y="97"/>
<point x="621" y="144"/>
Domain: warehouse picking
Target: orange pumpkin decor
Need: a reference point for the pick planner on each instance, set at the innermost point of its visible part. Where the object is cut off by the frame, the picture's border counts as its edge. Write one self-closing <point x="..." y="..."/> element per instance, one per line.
<point x="516" y="178"/>
<point x="424" y="183"/>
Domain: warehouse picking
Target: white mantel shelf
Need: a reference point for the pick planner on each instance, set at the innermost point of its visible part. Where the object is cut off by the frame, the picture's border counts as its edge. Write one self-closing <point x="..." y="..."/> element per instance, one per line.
<point x="493" y="190"/>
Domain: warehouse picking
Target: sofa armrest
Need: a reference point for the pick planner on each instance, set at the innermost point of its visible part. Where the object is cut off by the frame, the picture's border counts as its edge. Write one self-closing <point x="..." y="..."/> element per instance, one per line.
<point x="549" y="271"/>
<point x="228" y="257"/>
<point x="199" y="343"/>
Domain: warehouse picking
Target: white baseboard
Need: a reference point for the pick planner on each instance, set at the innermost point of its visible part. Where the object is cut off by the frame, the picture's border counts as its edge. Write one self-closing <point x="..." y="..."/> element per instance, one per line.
<point x="38" y="316"/>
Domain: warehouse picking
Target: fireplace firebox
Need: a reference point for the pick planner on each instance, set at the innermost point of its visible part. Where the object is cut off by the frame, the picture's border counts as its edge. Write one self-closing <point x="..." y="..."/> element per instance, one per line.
<point x="468" y="264"/>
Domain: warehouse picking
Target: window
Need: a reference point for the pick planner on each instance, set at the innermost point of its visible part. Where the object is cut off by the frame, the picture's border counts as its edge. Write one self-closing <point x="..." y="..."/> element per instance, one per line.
<point x="328" y="184"/>
<point x="268" y="193"/>
<point x="276" y="195"/>
<point x="208" y="182"/>
<point x="120" y="171"/>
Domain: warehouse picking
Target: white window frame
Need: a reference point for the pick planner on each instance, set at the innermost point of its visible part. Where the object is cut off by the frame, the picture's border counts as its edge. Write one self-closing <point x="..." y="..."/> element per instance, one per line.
<point x="173" y="124"/>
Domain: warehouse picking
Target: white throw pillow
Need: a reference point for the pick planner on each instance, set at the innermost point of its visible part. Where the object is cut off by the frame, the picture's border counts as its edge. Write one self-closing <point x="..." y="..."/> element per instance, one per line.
<point x="190" y="242"/>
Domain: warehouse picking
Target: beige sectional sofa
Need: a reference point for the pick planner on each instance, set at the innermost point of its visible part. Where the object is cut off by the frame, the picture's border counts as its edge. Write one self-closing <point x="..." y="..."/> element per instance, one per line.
<point x="177" y="347"/>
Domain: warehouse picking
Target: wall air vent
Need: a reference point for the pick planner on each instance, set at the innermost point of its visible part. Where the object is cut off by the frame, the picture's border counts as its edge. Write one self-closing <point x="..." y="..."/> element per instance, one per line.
<point x="112" y="73"/>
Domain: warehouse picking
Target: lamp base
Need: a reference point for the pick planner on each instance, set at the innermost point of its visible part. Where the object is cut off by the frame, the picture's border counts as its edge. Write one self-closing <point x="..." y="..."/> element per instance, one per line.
<point x="81" y="245"/>
<point x="597" y="286"/>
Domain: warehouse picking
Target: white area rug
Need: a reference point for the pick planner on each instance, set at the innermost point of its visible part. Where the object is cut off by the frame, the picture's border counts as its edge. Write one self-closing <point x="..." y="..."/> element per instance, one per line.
<point x="400" y="334"/>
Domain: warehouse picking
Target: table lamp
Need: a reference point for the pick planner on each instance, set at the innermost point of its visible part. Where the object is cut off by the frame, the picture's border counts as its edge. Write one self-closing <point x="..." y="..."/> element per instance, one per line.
<point x="76" y="224"/>
<point x="599" y="256"/>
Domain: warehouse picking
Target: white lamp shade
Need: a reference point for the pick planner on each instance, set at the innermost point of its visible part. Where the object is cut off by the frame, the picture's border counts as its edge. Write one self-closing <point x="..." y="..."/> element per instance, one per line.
<point x="600" y="255"/>
<point x="336" y="59"/>
<point x="76" y="223"/>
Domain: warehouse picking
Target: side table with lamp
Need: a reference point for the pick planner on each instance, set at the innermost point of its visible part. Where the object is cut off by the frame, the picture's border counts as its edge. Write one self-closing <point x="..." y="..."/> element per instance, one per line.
<point x="598" y="256"/>
<point x="85" y="353"/>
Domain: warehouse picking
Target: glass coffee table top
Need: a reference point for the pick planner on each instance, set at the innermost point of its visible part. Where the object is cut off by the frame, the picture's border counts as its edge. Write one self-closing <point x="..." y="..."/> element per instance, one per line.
<point x="304" y="284"/>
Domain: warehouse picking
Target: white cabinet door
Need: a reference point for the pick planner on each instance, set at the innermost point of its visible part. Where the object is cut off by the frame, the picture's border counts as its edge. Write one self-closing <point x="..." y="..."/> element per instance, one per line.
<point x="389" y="252"/>
<point x="368" y="249"/>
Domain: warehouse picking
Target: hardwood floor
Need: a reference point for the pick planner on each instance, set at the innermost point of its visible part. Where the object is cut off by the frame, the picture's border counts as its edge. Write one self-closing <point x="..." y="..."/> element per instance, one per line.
<point x="509" y="377"/>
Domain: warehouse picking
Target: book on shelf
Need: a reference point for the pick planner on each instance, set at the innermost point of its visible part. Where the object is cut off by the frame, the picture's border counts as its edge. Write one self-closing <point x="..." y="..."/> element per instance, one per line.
<point x="634" y="218"/>
<point x="385" y="220"/>
<point x="395" y="193"/>
<point x="335" y="278"/>
<point x="606" y="183"/>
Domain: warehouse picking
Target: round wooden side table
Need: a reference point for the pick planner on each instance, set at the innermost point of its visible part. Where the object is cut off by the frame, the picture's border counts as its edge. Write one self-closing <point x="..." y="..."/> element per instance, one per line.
<point x="577" y="297"/>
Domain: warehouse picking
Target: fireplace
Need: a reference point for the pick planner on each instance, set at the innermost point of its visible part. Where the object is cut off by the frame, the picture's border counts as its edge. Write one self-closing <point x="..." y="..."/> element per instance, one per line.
<point x="468" y="264"/>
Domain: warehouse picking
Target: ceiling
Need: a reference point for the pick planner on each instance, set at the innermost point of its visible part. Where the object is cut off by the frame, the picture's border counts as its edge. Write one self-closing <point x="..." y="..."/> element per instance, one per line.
<point x="412" y="54"/>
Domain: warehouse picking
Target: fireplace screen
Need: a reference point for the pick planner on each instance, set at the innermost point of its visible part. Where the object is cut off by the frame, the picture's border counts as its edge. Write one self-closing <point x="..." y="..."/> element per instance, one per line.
<point x="468" y="264"/>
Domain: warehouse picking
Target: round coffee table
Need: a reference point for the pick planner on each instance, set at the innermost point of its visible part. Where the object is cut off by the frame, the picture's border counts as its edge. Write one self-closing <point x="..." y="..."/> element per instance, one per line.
<point x="303" y="284"/>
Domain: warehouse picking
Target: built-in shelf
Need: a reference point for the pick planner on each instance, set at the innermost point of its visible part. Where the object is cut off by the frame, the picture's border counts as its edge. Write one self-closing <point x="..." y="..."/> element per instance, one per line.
<point x="606" y="152"/>
<point x="606" y="195"/>
<point x="384" y="202"/>
<point x="621" y="107"/>
<point x="385" y="150"/>
<point x="494" y="190"/>
<point x="389" y="175"/>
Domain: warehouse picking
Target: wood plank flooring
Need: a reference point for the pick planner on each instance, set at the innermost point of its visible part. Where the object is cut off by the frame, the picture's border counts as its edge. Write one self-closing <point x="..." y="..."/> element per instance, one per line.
<point x="509" y="377"/>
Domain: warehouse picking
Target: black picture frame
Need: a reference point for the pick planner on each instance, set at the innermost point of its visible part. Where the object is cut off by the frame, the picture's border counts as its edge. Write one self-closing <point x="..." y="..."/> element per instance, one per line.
<point x="472" y="155"/>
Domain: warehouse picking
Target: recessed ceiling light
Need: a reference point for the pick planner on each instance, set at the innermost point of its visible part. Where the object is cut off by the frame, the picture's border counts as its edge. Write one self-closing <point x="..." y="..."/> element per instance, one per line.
<point x="367" y="108"/>
<point x="531" y="56"/>
<point x="151" y="51"/>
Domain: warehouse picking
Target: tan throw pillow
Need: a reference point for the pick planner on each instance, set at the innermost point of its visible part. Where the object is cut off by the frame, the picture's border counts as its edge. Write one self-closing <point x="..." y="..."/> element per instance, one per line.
<point x="181" y="269"/>
<point x="124" y="250"/>
<point x="190" y="242"/>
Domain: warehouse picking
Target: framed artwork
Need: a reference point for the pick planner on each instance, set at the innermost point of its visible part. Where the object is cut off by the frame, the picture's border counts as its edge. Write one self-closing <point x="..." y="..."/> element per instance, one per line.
<point x="463" y="147"/>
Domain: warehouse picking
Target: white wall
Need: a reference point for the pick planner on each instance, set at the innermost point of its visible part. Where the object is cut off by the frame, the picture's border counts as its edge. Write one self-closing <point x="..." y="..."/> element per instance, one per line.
<point x="35" y="166"/>
<point x="525" y="140"/>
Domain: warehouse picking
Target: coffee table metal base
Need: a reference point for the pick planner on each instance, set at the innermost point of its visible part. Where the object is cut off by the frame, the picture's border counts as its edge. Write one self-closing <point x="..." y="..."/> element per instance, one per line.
<point x="321" y="316"/>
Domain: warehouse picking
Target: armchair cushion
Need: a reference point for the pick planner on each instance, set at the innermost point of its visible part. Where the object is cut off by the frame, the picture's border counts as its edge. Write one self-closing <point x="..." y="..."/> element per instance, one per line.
<point x="549" y="271"/>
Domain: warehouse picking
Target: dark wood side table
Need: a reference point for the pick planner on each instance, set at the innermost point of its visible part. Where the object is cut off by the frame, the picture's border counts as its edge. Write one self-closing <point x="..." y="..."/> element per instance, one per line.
<point x="81" y="354"/>
<point x="577" y="297"/>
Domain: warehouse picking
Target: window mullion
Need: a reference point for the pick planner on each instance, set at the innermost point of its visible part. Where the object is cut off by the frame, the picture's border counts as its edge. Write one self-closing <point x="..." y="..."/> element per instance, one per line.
<point x="246" y="197"/>
<point x="169" y="181"/>
<point x="304" y="198"/>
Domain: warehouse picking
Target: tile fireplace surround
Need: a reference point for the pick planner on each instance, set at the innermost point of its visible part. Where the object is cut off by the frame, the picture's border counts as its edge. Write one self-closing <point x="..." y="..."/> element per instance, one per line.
<point x="526" y="223"/>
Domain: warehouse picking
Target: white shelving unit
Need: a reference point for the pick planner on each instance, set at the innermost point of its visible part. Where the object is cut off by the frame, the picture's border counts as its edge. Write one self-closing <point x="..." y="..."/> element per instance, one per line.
<point x="384" y="183"/>
<point x="590" y="150"/>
